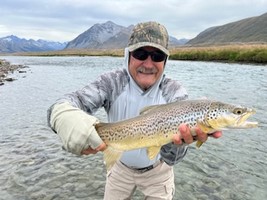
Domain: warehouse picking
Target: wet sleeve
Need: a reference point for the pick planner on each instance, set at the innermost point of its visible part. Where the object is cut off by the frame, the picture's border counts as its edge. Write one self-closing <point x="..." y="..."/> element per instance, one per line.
<point x="172" y="154"/>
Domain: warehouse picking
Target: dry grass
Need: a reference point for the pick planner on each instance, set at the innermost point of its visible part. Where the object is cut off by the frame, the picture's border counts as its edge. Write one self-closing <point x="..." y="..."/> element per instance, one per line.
<point x="248" y="53"/>
<point x="244" y="53"/>
<point x="76" y="52"/>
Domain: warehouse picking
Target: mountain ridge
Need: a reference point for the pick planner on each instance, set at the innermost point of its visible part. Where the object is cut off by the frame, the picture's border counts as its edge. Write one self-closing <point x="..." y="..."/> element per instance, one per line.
<point x="114" y="37"/>
<point x="248" y="30"/>
<point x="111" y="36"/>
<point x="12" y="44"/>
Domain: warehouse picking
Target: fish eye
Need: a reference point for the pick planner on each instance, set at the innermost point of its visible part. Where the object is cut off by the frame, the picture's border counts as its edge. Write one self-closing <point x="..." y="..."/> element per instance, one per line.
<point x="238" y="111"/>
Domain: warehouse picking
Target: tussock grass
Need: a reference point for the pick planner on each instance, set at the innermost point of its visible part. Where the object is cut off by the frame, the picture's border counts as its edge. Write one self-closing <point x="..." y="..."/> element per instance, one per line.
<point x="241" y="53"/>
<point x="253" y="53"/>
<point x="76" y="52"/>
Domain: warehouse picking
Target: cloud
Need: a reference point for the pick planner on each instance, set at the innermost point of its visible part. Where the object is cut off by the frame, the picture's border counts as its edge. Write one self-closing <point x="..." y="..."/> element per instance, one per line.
<point x="63" y="20"/>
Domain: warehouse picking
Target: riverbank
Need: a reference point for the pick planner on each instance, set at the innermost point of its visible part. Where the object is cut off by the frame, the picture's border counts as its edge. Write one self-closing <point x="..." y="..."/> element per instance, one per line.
<point x="6" y="69"/>
<point x="234" y="53"/>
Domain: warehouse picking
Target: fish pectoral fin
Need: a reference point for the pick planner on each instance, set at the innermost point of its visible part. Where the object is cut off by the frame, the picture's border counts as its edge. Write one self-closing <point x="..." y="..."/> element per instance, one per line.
<point x="199" y="143"/>
<point x="204" y="129"/>
<point x="153" y="151"/>
<point x="111" y="155"/>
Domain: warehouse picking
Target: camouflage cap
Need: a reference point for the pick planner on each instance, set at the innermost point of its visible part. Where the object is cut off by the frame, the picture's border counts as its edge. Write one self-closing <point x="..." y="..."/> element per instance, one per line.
<point x="149" y="34"/>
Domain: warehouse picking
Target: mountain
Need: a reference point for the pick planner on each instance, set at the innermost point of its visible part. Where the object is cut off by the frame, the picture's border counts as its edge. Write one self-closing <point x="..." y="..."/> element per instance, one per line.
<point x="175" y="42"/>
<point x="95" y="36"/>
<point x="11" y="44"/>
<point x="249" y="30"/>
<point x="108" y="36"/>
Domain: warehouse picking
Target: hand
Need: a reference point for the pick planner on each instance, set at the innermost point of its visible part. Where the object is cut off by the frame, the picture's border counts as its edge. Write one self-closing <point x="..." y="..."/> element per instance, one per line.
<point x="188" y="135"/>
<point x="88" y="151"/>
<point x="76" y="129"/>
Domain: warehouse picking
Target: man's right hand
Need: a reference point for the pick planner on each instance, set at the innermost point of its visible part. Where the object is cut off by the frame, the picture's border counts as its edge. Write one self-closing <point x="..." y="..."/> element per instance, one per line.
<point x="76" y="129"/>
<point x="88" y="151"/>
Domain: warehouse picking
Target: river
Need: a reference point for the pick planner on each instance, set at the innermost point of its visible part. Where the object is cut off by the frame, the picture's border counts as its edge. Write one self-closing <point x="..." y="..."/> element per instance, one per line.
<point x="34" y="166"/>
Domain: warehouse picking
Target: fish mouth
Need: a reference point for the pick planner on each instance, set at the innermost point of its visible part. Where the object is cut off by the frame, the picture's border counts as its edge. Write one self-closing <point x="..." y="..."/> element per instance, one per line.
<point x="247" y="124"/>
<point x="242" y="121"/>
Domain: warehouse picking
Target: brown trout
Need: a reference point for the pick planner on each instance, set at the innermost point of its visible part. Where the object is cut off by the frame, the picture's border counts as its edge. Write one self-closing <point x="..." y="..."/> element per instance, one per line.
<point x="156" y="125"/>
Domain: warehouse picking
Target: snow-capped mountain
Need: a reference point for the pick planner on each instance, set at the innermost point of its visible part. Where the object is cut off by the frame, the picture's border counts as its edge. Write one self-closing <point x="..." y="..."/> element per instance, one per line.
<point x="11" y="44"/>
<point x="107" y="35"/>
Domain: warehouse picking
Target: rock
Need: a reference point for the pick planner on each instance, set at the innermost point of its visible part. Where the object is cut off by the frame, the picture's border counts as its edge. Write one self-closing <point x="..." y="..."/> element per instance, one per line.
<point x="9" y="79"/>
<point x="7" y="68"/>
<point x="2" y="75"/>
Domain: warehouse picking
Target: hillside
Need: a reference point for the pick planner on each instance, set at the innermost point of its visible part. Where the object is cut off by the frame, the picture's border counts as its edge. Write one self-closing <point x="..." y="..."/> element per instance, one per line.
<point x="249" y="30"/>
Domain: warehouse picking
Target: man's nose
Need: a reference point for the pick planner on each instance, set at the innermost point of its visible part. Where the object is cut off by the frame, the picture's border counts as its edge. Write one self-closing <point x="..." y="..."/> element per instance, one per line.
<point x="148" y="62"/>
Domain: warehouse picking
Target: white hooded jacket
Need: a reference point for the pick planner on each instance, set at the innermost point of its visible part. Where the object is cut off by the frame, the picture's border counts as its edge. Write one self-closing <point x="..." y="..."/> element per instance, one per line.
<point x="122" y="98"/>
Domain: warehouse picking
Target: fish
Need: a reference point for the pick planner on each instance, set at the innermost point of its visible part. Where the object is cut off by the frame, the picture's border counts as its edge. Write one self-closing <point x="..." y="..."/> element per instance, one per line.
<point x="157" y="124"/>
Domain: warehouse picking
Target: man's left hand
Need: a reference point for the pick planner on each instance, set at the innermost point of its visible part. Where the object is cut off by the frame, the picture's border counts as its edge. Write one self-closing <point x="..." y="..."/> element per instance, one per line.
<point x="185" y="135"/>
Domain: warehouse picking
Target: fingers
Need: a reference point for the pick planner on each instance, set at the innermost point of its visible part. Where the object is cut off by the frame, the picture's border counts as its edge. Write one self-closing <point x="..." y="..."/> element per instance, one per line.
<point x="101" y="147"/>
<point x="188" y="135"/>
<point x="217" y="134"/>
<point x="88" y="151"/>
<point x="183" y="136"/>
<point x="201" y="136"/>
<point x="177" y="139"/>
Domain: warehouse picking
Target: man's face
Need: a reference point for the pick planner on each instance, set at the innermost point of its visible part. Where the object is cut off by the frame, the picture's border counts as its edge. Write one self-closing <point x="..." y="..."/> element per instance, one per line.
<point x="146" y="72"/>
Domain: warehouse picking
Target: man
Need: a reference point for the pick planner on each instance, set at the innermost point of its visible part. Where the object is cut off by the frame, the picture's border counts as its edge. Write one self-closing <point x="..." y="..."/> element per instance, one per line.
<point x="123" y="93"/>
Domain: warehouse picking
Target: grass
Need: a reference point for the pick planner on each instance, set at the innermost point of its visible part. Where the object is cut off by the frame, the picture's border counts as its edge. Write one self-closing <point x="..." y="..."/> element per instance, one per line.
<point x="253" y="53"/>
<point x="76" y="52"/>
<point x="241" y="53"/>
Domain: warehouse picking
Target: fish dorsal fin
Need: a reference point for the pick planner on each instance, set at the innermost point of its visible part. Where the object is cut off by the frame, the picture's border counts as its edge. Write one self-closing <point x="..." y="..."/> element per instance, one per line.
<point x="153" y="151"/>
<point x="147" y="109"/>
<point x="111" y="155"/>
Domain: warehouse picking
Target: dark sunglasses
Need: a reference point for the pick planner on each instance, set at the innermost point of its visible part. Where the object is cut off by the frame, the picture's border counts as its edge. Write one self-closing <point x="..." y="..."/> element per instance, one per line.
<point x="156" y="56"/>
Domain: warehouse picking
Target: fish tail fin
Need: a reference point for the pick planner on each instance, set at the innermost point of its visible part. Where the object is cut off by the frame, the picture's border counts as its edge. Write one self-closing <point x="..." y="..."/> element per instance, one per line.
<point x="111" y="155"/>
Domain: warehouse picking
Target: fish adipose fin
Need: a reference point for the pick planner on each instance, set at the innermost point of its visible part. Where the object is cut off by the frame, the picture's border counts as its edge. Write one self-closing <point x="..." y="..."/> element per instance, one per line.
<point x="153" y="151"/>
<point x="111" y="155"/>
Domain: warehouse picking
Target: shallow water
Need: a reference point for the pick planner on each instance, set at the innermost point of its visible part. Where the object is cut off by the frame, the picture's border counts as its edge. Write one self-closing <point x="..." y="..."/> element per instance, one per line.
<point x="34" y="166"/>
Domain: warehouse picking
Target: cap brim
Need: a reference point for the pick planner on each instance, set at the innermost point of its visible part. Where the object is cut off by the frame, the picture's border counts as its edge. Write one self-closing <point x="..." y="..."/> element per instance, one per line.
<point x="144" y="44"/>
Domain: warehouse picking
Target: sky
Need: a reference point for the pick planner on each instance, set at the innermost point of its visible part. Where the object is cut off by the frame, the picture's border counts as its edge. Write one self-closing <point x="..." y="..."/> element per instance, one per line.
<point x="64" y="20"/>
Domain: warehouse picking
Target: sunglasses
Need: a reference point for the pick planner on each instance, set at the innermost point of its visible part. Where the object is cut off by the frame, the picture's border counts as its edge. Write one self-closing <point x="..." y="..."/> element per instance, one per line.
<point x="156" y="56"/>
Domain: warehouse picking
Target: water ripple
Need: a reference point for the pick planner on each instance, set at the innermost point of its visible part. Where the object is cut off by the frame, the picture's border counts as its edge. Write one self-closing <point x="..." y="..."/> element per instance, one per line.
<point x="34" y="166"/>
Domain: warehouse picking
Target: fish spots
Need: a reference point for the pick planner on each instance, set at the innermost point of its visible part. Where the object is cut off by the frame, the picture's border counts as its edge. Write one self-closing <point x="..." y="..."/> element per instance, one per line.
<point x="164" y="121"/>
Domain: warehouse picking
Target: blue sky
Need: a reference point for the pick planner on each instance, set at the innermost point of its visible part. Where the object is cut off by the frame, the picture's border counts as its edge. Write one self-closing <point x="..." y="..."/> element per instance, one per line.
<point x="63" y="20"/>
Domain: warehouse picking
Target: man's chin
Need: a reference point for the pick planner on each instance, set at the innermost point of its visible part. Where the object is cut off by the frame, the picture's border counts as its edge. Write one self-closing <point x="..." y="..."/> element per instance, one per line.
<point x="145" y="85"/>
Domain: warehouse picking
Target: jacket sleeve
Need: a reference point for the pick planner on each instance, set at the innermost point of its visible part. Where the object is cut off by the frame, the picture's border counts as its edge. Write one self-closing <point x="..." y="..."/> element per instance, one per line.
<point x="97" y="94"/>
<point x="173" y="91"/>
